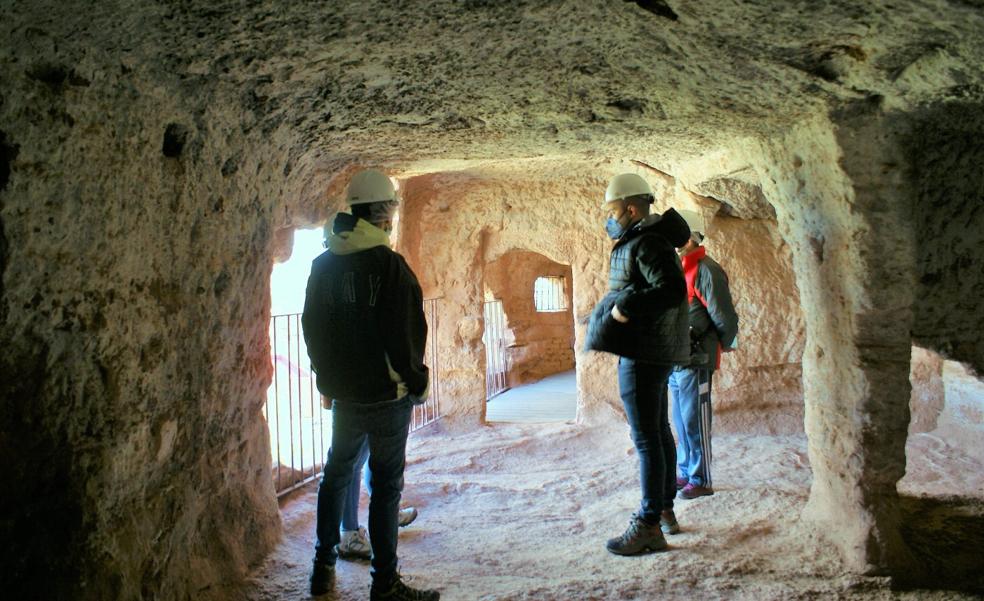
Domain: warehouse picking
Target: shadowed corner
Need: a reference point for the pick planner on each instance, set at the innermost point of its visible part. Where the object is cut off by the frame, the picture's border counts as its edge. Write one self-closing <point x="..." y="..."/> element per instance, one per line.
<point x="946" y="536"/>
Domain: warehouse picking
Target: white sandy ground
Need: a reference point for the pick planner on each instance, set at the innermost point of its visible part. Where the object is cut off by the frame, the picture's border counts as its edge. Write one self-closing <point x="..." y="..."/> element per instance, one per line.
<point x="523" y="511"/>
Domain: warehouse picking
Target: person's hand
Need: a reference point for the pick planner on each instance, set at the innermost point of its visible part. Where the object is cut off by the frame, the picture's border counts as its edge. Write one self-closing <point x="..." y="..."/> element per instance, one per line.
<point x="326" y="403"/>
<point x="618" y="315"/>
<point x="420" y="399"/>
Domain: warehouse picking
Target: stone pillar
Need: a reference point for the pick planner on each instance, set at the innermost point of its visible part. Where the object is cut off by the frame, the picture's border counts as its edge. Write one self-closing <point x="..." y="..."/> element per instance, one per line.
<point x="445" y="249"/>
<point x="842" y="207"/>
<point x="597" y="378"/>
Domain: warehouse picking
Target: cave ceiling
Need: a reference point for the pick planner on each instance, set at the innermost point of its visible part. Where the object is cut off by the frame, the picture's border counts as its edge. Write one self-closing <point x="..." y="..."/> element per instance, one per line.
<point x="437" y="84"/>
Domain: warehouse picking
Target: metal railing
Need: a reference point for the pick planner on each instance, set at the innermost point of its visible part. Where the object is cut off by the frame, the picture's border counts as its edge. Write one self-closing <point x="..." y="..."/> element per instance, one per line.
<point x="300" y="430"/>
<point x="430" y="411"/>
<point x="496" y="360"/>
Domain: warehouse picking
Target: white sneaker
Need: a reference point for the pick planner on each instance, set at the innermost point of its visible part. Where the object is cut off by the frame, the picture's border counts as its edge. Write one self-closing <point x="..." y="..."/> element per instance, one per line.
<point x="354" y="545"/>
<point x="406" y="516"/>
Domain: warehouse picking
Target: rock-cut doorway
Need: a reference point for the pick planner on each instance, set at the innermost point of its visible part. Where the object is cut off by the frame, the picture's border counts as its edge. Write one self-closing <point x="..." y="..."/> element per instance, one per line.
<point x="529" y="338"/>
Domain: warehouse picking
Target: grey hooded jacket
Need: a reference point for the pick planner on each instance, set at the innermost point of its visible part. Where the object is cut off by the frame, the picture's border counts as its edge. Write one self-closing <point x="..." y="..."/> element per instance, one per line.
<point x="714" y="324"/>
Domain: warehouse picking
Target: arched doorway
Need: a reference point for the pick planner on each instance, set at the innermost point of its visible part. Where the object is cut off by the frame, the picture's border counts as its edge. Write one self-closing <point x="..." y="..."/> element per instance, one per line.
<point x="529" y="337"/>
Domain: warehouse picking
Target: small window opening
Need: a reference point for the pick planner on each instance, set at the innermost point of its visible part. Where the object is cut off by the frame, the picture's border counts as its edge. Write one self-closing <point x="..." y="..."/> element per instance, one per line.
<point x="548" y="294"/>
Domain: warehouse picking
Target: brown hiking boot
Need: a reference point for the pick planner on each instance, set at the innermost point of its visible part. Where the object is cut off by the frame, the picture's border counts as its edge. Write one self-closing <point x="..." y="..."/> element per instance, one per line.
<point x="322" y="578"/>
<point x="639" y="537"/>
<point x="692" y="491"/>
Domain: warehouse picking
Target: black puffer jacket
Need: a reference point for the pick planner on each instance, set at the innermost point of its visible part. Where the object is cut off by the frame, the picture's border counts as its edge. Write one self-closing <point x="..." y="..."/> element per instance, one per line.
<point x="646" y="282"/>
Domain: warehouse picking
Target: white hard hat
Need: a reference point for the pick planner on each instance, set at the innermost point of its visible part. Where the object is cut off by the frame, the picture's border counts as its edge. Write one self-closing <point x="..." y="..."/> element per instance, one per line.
<point x="626" y="185"/>
<point x="370" y="186"/>
<point x="694" y="220"/>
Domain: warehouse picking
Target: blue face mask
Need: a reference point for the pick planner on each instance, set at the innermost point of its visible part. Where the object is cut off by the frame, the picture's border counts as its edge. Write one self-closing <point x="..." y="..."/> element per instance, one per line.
<point x="613" y="228"/>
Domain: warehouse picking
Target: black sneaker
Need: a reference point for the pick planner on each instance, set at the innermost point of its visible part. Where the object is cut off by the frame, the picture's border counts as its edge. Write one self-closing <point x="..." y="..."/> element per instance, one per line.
<point x="322" y="578"/>
<point x="397" y="591"/>
<point x="639" y="537"/>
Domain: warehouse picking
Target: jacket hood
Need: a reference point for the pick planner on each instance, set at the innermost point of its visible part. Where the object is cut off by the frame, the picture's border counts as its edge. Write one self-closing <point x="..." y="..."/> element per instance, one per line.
<point x="674" y="227"/>
<point x="671" y="225"/>
<point x="349" y="234"/>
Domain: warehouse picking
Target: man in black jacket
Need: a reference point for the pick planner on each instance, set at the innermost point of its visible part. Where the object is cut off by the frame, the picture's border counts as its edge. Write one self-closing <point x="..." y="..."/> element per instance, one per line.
<point x="643" y="320"/>
<point x="365" y="331"/>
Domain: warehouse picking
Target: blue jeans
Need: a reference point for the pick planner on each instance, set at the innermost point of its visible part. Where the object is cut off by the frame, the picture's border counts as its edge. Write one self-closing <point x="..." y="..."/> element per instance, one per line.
<point x="692" y="425"/>
<point x="385" y="425"/>
<point x="643" y="390"/>
<point x="350" y="514"/>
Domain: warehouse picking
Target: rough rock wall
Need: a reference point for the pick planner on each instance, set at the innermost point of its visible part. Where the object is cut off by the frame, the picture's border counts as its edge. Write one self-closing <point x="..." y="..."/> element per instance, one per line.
<point x="450" y="271"/>
<point x="946" y="154"/>
<point x="456" y="222"/>
<point x="538" y="343"/>
<point x="137" y="222"/>
<point x="844" y="209"/>
<point x="133" y="273"/>
<point x="759" y="387"/>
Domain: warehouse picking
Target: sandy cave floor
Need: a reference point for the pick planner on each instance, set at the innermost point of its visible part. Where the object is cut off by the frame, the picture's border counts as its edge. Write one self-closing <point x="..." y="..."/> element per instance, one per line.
<point x="523" y="511"/>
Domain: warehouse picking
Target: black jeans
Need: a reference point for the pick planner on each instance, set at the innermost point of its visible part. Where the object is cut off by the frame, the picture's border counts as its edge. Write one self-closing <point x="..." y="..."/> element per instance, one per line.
<point x="386" y="426"/>
<point x="643" y="390"/>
